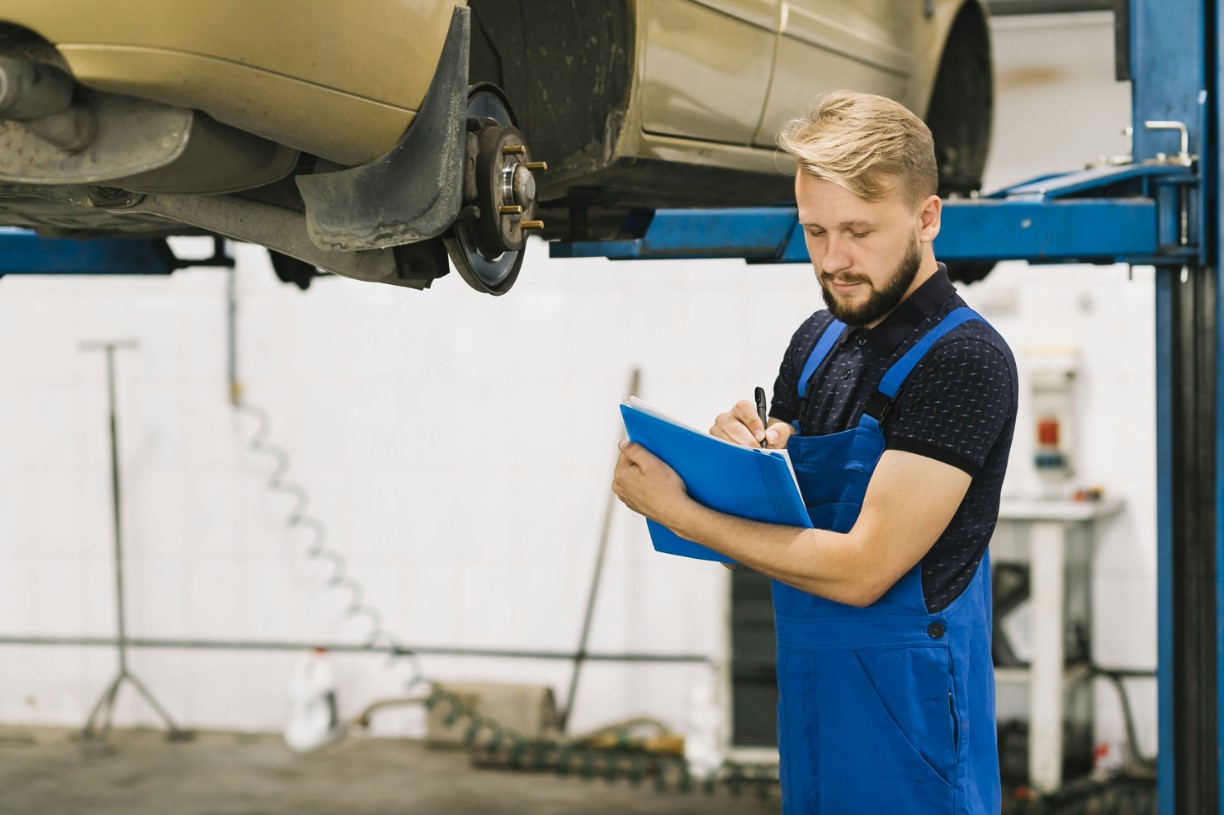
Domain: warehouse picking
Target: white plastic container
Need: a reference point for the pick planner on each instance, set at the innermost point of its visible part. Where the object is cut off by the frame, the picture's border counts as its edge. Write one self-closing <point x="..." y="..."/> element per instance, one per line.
<point x="313" y="718"/>
<point x="703" y="732"/>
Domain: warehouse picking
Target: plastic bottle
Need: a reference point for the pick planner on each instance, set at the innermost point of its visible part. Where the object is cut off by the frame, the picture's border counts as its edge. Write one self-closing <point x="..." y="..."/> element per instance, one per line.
<point x="703" y="741"/>
<point x="313" y="719"/>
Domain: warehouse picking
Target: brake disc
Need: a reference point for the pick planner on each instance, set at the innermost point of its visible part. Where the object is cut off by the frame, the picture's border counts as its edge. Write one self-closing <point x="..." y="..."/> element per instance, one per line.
<point x="486" y="243"/>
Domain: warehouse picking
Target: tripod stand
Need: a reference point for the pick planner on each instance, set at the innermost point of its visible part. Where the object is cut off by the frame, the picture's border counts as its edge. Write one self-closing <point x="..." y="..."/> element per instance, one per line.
<point x="104" y="710"/>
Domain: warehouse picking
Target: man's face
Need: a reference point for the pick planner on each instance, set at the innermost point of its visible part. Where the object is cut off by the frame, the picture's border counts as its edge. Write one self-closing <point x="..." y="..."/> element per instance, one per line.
<point x="867" y="254"/>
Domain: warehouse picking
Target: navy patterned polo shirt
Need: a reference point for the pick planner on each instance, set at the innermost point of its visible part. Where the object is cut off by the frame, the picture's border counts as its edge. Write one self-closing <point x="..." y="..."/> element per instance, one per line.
<point x="958" y="406"/>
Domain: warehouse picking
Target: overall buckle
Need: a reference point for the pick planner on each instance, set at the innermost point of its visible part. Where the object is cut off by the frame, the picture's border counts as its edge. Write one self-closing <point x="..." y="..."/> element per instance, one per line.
<point x="878" y="407"/>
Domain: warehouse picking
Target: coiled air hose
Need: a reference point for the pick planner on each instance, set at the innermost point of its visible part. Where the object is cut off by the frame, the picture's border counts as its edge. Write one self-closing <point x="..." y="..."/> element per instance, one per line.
<point x="490" y="742"/>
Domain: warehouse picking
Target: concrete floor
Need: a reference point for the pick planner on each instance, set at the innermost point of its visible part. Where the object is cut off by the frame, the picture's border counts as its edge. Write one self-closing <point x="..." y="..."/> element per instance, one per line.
<point x="43" y="771"/>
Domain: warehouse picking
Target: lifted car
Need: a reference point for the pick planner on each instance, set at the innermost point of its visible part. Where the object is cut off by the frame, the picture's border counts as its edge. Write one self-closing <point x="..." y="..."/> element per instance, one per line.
<point x="375" y="139"/>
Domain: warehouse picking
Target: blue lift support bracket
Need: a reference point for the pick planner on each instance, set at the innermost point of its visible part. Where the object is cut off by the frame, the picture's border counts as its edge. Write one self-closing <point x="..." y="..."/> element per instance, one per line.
<point x="1133" y="213"/>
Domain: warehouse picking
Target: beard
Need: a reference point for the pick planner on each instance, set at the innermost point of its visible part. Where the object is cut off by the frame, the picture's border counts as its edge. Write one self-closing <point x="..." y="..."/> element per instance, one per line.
<point x="880" y="301"/>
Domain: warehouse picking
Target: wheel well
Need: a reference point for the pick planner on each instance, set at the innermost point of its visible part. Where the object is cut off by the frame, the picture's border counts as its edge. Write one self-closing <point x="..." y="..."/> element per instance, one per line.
<point x="566" y="68"/>
<point x="22" y="43"/>
<point x="961" y="109"/>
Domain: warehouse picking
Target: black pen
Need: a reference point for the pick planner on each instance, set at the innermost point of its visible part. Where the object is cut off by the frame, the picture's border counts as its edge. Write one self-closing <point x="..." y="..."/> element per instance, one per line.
<point x="760" y="402"/>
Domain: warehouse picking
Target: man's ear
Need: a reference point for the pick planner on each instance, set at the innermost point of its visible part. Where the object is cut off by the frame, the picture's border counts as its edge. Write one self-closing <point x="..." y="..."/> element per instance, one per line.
<point x="930" y="213"/>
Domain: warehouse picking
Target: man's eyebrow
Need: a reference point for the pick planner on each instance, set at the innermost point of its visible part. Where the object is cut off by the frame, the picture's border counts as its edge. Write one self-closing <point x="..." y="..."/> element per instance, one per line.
<point x="843" y="224"/>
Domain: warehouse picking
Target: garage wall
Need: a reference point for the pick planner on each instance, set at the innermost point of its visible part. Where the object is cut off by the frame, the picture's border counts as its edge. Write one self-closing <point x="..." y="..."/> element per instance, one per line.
<point x="458" y="450"/>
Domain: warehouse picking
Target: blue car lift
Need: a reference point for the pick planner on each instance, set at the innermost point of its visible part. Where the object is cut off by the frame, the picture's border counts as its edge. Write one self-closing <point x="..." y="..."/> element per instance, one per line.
<point x="1161" y="209"/>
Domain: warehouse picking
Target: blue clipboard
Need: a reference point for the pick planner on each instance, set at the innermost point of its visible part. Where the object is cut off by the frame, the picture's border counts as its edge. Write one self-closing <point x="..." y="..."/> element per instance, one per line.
<point x="748" y="482"/>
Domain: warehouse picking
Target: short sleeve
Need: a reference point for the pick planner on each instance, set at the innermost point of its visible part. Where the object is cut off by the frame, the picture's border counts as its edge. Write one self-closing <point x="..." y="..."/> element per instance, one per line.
<point x="955" y="404"/>
<point x="785" y="403"/>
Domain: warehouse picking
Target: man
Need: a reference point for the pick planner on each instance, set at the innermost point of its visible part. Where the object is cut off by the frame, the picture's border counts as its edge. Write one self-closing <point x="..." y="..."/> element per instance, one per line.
<point x="897" y="407"/>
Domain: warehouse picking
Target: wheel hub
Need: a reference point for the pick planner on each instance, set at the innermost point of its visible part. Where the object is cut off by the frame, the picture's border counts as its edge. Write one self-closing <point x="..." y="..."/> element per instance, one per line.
<point x="486" y="243"/>
<point x="505" y="190"/>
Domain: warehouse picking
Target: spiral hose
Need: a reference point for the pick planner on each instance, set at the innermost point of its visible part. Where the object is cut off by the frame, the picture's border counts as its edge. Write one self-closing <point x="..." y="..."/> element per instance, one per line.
<point x="317" y="549"/>
<point x="490" y="740"/>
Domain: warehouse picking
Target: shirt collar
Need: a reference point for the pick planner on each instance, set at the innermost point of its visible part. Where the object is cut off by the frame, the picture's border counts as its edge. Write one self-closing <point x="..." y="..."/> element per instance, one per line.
<point x="912" y="312"/>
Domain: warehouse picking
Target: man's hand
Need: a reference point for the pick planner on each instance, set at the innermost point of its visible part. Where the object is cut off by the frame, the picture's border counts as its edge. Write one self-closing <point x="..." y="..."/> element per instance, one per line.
<point x="743" y="426"/>
<point x="647" y="485"/>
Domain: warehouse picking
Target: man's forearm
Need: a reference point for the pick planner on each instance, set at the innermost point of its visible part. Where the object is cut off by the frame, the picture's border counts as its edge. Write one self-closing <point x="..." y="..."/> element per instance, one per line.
<point x="828" y="564"/>
<point x="896" y="526"/>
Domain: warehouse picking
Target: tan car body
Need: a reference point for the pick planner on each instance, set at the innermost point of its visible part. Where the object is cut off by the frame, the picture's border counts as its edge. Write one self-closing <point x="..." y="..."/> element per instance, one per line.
<point x="310" y="74"/>
<point x="701" y="77"/>
<point x="343" y="81"/>
<point x="633" y="103"/>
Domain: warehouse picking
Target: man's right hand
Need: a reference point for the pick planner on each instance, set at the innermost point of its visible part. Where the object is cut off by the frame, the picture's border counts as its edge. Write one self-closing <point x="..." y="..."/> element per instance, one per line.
<point x="743" y="426"/>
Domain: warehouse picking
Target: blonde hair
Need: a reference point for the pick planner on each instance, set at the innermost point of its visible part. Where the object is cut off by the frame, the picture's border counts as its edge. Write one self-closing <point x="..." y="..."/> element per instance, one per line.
<point x="862" y="142"/>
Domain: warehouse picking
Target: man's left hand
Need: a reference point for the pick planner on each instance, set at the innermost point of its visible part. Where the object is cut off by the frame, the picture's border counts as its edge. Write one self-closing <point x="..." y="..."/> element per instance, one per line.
<point x="647" y="485"/>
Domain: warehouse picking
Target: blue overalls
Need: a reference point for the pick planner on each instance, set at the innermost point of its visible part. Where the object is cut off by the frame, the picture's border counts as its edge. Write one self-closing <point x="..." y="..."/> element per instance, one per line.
<point x="885" y="709"/>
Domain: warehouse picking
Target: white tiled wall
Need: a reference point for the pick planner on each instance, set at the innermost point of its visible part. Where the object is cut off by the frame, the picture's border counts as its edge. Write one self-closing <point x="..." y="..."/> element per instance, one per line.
<point x="458" y="449"/>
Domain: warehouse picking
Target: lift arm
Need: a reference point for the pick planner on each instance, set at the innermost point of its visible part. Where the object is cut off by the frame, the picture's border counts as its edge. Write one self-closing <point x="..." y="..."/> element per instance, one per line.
<point x="1134" y="213"/>
<point x="24" y="252"/>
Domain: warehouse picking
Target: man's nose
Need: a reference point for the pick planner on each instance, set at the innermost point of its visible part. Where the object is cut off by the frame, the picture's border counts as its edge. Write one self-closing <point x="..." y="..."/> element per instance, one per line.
<point x="836" y="257"/>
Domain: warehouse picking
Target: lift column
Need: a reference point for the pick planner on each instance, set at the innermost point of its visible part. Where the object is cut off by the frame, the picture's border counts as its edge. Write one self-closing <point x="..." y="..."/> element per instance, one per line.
<point x="1174" y="68"/>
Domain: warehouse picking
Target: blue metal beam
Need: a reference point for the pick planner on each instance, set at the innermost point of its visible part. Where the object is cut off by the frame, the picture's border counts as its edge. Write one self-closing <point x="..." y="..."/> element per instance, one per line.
<point x="1097" y="230"/>
<point x="754" y="233"/>
<point x="1114" y="214"/>
<point x="1087" y="230"/>
<point x="27" y="253"/>
<point x="1124" y="178"/>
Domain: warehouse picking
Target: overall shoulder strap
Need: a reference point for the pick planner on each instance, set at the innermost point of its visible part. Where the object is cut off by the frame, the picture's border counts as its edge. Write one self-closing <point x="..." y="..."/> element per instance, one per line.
<point x="819" y="351"/>
<point x="880" y="402"/>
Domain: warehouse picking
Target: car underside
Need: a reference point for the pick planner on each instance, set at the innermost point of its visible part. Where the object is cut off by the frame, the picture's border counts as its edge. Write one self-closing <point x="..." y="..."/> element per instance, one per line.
<point x="528" y="127"/>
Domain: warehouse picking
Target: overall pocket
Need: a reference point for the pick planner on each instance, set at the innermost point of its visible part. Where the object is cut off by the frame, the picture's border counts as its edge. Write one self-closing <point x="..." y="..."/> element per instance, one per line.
<point x="886" y="739"/>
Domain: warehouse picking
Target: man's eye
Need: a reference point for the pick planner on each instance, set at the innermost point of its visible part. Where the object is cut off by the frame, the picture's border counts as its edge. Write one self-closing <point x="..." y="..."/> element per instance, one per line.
<point x="816" y="234"/>
<point x="860" y="234"/>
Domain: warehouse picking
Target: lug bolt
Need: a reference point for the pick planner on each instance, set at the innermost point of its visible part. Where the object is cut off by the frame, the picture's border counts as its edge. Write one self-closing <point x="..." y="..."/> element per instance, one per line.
<point x="514" y="150"/>
<point x="536" y="165"/>
<point x="510" y="210"/>
<point x="531" y="225"/>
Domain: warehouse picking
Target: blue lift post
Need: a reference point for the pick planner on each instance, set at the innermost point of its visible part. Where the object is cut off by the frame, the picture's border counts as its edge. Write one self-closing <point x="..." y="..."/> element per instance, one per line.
<point x="1175" y="72"/>
<point x="1161" y="210"/>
